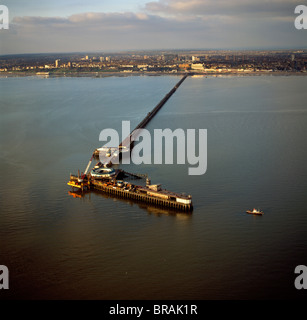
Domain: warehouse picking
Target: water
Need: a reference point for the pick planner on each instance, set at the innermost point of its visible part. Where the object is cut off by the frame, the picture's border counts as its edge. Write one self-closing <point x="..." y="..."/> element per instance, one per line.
<point x="57" y="246"/>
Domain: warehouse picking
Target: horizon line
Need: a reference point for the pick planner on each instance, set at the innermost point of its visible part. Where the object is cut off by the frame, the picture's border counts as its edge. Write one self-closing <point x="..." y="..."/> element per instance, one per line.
<point x="161" y="50"/>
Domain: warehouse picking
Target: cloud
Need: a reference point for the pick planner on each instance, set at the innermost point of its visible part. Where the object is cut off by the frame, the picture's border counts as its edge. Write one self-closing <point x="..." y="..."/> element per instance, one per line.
<point x="117" y="22"/>
<point x="84" y="18"/>
<point x="163" y="24"/>
<point x="97" y="31"/>
<point x="268" y="8"/>
<point x="38" y="21"/>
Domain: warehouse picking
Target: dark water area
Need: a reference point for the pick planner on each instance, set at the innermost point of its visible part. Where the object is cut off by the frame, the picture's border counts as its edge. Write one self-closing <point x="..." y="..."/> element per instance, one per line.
<point x="57" y="246"/>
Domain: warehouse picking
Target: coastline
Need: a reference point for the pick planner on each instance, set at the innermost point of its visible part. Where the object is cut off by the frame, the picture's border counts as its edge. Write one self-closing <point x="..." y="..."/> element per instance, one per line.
<point x="126" y="74"/>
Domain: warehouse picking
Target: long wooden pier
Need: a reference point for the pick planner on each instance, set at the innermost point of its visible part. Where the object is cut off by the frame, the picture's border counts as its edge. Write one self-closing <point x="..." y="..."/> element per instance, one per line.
<point x="151" y="193"/>
<point x="151" y="114"/>
<point x="128" y="142"/>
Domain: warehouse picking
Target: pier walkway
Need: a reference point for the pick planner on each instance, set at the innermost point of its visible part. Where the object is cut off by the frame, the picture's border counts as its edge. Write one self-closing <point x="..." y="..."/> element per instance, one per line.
<point x="127" y="143"/>
<point x="153" y="194"/>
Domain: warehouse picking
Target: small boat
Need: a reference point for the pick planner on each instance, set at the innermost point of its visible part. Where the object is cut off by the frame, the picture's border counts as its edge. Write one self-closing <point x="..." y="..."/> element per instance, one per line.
<point x="255" y="211"/>
<point x="102" y="172"/>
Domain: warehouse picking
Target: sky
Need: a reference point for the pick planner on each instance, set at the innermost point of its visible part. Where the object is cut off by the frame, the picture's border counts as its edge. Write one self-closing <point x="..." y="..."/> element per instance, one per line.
<point x="40" y="26"/>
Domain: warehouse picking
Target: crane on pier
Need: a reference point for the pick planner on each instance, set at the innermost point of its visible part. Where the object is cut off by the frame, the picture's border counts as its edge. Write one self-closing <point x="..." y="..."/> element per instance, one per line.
<point x="88" y="166"/>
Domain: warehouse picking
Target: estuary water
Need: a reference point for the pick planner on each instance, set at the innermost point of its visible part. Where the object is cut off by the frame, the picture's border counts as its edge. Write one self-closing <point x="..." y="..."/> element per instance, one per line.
<point x="61" y="246"/>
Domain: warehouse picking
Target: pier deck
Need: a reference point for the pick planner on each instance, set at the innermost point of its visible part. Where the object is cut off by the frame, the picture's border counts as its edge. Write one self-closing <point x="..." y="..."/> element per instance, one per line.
<point x="160" y="197"/>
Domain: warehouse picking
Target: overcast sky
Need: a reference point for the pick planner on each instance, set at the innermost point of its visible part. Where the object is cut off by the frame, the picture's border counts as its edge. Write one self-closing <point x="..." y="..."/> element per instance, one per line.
<point x="112" y="25"/>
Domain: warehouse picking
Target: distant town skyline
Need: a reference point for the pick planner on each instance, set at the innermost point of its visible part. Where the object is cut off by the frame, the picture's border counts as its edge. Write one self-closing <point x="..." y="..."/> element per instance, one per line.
<point x="78" y="26"/>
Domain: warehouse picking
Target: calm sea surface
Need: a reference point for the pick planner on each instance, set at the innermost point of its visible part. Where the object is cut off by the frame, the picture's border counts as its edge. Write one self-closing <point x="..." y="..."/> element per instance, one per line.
<point x="57" y="246"/>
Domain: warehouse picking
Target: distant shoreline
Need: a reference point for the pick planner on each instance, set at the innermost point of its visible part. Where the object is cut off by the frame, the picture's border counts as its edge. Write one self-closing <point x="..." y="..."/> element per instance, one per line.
<point x="128" y="74"/>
